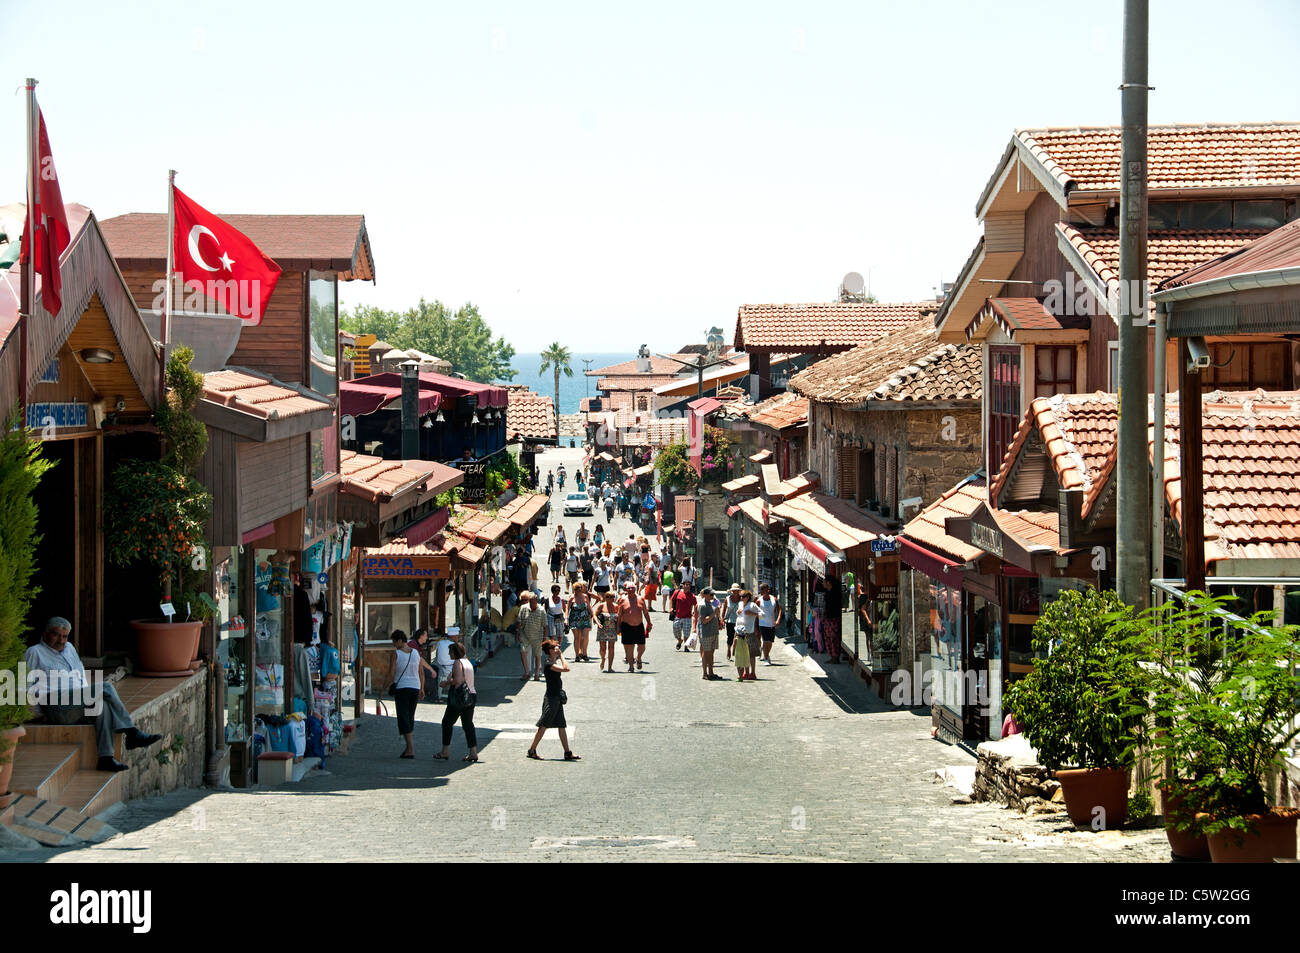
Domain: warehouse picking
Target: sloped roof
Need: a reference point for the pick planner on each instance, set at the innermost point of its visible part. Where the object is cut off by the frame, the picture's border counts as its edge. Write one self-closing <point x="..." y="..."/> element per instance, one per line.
<point x="1278" y="249"/>
<point x="1169" y="251"/>
<point x="929" y="529"/>
<point x="821" y="327"/>
<point x="524" y="509"/>
<point x="1023" y="314"/>
<point x="337" y="243"/>
<point x="252" y="392"/>
<point x="909" y="364"/>
<point x="837" y="521"/>
<point x="780" y="411"/>
<point x="380" y="480"/>
<point x="1179" y="156"/>
<point x="529" y="414"/>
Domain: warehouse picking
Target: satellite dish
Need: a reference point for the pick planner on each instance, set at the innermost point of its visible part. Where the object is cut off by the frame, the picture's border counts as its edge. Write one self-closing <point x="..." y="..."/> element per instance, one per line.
<point x="853" y="284"/>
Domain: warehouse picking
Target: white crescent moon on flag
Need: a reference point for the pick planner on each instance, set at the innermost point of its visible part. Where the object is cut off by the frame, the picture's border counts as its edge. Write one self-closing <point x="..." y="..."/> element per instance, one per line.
<point x="195" y="232"/>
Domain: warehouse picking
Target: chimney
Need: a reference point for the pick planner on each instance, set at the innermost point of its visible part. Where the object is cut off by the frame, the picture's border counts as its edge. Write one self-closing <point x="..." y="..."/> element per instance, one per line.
<point x="410" y="410"/>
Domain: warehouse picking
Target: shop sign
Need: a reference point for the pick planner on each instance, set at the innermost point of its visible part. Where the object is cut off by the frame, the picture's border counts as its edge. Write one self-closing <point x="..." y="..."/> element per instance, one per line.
<point x="70" y="414"/>
<point x="51" y="375"/>
<point x="406" y="567"/>
<point x="803" y="558"/>
<point x="884" y="544"/>
<point x="474" y="489"/>
<point x="986" y="538"/>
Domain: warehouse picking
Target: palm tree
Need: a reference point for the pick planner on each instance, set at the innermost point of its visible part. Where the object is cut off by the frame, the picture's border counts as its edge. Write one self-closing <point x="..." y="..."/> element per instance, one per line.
<point x="557" y="359"/>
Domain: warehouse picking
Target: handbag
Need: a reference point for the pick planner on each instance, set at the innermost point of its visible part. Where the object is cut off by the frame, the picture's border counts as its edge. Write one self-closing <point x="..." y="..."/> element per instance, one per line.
<point x="392" y="688"/>
<point x="564" y="697"/>
<point x="458" y="696"/>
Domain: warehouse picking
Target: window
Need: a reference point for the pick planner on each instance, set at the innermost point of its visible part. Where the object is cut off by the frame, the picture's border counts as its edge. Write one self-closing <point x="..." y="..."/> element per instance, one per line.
<point x="866" y="476"/>
<point x="384" y="618"/>
<point x="1265" y="364"/>
<point x="1003" y="403"/>
<point x="322" y="341"/>
<point x="1270" y="213"/>
<point x="1053" y="370"/>
<point x="1113" y="353"/>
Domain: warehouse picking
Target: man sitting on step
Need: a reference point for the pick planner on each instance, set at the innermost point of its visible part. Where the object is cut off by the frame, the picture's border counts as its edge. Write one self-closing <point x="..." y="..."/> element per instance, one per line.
<point x="65" y="675"/>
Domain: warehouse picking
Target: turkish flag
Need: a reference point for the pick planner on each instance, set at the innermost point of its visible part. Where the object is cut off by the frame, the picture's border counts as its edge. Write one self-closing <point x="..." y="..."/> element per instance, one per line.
<point x="52" y="234"/>
<point x="212" y="255"/>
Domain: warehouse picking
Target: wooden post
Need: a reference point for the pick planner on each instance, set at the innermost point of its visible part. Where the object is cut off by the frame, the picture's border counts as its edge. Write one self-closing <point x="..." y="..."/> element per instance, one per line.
<point x="358" y="663"/>
<point x="1191" y="472"/>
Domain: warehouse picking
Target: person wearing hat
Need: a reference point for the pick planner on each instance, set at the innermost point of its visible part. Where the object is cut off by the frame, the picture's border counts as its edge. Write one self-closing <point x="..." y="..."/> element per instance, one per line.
<point x="706" y="624"/>
<point x="729" y="609"/>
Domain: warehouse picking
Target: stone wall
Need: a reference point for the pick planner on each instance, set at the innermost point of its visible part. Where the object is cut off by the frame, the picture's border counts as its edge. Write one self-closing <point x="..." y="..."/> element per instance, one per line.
<point x="1007" y="772"/>
<point x="177" y="761"/>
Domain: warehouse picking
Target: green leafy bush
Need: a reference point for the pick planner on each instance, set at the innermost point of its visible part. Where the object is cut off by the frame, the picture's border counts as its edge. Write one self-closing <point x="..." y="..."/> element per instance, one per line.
<point x="21" y="469"/>
<point x="674" y="467"/>
<point x="1080" y="705"/>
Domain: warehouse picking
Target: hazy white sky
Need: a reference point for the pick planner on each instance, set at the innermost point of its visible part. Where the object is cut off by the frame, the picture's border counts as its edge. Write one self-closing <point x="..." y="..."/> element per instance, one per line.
<point x="604" y="174"/>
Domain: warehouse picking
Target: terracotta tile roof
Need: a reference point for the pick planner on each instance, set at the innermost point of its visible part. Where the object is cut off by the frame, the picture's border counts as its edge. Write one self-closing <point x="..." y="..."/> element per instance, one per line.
<point x="780" y="411"/>
<point x="261" y="395"/>
<point x="1250" y="443"/>
<point x="530" y="414"/>
<point x="380" y="480"/>
<point x="1182" y="156"/>
<point x="834" y="326"/>
<point x="837" y="521"/>
<point x="909" y="364"/>
<point x="1169" y="252"/>
<point x="1078" y="434"/>
<point x="479" y="525"/>
<point x="1280" y="248"/>
<point x="655" y="432"/>
<point x="444" y="544"/>
<point x="753" y="510"/>
<point x="634" y="382"/>
<point x="336" y="243"/>
<point x="1035" y="529"/>
<point x="741" y="484"/>
<point x="524" y="509"/>
<point x="1023" y="314"/>
<point x="928" y="529"/>
<point x="658" y="365"/>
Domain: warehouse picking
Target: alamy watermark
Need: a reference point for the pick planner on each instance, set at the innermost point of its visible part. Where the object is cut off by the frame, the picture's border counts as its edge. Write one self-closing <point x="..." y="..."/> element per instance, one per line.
<point x="79" y="689"/>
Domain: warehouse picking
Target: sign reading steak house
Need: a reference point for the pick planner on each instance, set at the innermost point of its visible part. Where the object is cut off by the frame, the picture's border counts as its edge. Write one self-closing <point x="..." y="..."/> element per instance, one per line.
<point x="406" y="567"/>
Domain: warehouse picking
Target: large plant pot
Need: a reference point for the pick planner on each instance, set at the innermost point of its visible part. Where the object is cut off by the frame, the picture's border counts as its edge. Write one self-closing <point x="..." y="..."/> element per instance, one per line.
<point x="8" y="751"/>
<point x="1086" y="789"/>
<point x="1185" y="845"/>
<point x="165" y="649"/>
<point x="1274" y="836"/>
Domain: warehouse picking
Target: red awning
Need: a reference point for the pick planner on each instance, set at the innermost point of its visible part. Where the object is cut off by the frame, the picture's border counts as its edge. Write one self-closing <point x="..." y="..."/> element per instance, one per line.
<point x="629" y="481"/>
<point x="932" y="564"/>
<point x="427" y="528"/>
<point x="813" y="550"/>
<point x="733" y="510"/>
<point x="362" y="397"/>
<point x="266" y="529"/>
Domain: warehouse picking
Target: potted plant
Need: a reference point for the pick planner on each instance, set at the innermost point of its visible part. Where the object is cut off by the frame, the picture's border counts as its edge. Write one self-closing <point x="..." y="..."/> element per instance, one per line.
<point x="21" y="469"/>
<point x="1079" y="705"/>
<point x="1226" y="705"/>
<point x="156" y="511"/>
<point x="884" y="643"/>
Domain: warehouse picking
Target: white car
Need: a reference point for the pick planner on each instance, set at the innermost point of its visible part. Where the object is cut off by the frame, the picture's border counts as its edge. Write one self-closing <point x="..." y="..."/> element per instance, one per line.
<point x="577" y="504"/>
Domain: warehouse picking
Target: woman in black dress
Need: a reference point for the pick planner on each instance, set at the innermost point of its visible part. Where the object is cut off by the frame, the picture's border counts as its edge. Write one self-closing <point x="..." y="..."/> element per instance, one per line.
<point x="553" y="665"/>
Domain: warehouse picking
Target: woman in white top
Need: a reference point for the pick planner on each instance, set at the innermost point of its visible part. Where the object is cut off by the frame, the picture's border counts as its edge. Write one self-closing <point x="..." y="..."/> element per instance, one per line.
<point x="686" y="572"/>
<point x="462" y="673"/>
<point x="406" y="676"/>
<point x="747" y="615"/>
<point x="556" y="607"/>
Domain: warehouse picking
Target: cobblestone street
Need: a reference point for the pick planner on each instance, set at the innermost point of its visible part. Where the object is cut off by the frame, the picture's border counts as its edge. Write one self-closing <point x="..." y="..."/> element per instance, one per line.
<point x="804" y="764"/>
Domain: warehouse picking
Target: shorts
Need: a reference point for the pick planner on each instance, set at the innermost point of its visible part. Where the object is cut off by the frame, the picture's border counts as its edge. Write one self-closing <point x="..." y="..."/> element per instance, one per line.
<point x="533" y="643"/>
<point x="709" y="643"/>
<point x="767" y="633"/>
<point x="682" y="628"/>
<point x="632" y="634"/>
<point x="573" y="577"/>
<point x="602" y="589"/>
<point x="650" y="591"/>
<point x="554" y="626"/>
<point x="731" y="633"/>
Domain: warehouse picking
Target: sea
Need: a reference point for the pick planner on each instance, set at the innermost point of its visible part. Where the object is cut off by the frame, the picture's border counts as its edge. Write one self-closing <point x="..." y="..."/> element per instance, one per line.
<point x="572" y="389"/>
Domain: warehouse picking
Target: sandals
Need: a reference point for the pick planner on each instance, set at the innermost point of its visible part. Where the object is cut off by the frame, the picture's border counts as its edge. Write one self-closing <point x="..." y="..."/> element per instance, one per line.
<point x="469" y="759"/>
<point x="404" y="755"/>
<point x="532" y="753"/>
<point x="570" y="756"/>
<point x="440" y="757"/>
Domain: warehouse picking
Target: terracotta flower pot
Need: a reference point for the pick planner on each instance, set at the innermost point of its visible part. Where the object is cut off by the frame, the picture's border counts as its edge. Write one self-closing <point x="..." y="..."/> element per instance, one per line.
<point x="1086" y="789"/>
<point x="165" y="649"/>
<point x="1274" y="836"/>
<point x="1185" y="845"/>
<point x="8" y="751"/>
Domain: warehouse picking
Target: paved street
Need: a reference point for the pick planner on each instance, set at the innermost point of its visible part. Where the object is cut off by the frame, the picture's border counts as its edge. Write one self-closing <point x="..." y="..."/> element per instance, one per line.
<point x="804" y="764"/>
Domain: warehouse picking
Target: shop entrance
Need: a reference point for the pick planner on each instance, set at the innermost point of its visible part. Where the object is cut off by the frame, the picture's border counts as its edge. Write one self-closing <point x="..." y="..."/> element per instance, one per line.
<point x="56" y="556"/>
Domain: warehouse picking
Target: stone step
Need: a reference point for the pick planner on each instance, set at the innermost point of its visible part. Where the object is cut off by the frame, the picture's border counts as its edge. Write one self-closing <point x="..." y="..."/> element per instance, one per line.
<point x="44" y="770"/>
<point x="56" y="825"/>
<point x="80" y="735"/>
<point x="90" y="792"/>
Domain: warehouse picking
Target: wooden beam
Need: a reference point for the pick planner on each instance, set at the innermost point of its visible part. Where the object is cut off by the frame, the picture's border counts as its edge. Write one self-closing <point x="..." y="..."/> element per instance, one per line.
<point x="1191" y="472"/>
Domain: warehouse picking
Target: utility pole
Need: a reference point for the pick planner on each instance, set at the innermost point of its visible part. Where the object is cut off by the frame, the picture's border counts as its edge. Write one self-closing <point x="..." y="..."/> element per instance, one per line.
<point x="587" y="372"/>
<point x="1133" y="532"/>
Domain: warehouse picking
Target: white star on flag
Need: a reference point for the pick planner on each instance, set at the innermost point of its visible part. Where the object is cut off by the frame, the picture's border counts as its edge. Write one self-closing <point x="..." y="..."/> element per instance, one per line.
<point x="226" y="261"/>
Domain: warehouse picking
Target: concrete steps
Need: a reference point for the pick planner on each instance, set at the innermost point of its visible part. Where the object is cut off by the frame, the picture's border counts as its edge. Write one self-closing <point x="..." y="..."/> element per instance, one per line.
<point x="55" y="825"/>
<point x="60" y="789"/>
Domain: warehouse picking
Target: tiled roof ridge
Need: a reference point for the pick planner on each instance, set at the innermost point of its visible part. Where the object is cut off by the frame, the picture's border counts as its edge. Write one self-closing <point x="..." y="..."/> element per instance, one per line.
<point x="919" y="305"/>
<point x="917" y="368"/>
<point x="1157" y="127"/>
<point x="1059" y="403"/>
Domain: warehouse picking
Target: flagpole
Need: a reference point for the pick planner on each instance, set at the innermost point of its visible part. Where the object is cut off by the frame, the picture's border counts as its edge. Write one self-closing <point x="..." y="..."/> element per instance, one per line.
<point x="171" y="267"/>
<point x="28" y="254"/>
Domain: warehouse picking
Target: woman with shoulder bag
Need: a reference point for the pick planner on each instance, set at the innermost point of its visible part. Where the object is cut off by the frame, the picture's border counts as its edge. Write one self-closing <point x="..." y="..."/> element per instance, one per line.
<point x="405" y="687"/>
<point x="553" y="701"/>
<point x="460" y="704"/>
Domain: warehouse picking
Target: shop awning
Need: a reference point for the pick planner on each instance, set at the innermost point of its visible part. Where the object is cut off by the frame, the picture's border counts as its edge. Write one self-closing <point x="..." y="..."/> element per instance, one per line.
<point x="482" y="527"/>
<point x="763" y="456"/>
<point x="842" y="525"/>
<point x="929" y="562"/>
<point x="258" y="407"/>
<point x="365" y="396"/>
<point x="741" y="483"/>
<point x="524" y="510"/>
<point x="606" y="456"/>
<point x="646" y="470"/>
<point x="811" y="552"/>
<point x="427" y="528"/>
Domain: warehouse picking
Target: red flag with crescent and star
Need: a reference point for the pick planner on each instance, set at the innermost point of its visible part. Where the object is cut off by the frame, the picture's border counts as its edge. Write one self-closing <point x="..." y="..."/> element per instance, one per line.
<point x="213" y="255"/>
<point x="50" y="221"/>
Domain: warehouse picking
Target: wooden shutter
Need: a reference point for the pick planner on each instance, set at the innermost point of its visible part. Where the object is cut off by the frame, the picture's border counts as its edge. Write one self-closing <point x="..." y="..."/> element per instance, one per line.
<point x="848" y="483"/>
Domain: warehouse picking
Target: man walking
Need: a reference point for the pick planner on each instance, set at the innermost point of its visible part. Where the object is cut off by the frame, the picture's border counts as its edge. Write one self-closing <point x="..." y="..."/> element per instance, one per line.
<point x="634" y="626"/>
<point x="770" y="614"/>
<point x="532" y="633"/>
<point x="682" y="604"/>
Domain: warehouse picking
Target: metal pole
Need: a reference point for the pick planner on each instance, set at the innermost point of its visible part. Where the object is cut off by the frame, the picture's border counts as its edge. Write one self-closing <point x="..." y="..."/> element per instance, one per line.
<point x="1134" y="488"/>
<point x="28" y="272"/>
<point x="1158" y="447"/>
<point x="171" y="277"/>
